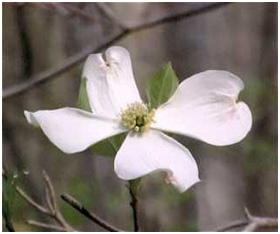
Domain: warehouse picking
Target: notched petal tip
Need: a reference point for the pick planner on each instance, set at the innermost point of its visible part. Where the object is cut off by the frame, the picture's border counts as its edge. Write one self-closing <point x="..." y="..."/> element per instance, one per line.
<point x="93" y="65"/>
<point x="205" y="107"/>
<point x="97" y="58"/>
<point x="184" y="185"/>
<point x="117" y="54"/>
<point x="111" y="85"/>
<point x="214" y="74"/>
<point x="155" y="151"/>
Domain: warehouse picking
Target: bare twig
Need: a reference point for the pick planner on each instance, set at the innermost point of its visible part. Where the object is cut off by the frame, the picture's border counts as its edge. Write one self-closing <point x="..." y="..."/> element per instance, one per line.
<point x="63" y="9"/>
<point x="180" y="16"/>
<point x="259" y="222"/>
<point x="48" y="226"/>
<point x="232" y="225"/>
<point x="91" y="216"/>
<point x="31" y="201"/>
<point x="50" y="199"/>
<point x="75" y="11"/>
<point x="76" y="59"/>
<point x="52" y="73"/>
<point x="51" y="210"/>
<point x="252" y="223"/>
<point x="106" y="10"/>
<point x="50" y="190"/>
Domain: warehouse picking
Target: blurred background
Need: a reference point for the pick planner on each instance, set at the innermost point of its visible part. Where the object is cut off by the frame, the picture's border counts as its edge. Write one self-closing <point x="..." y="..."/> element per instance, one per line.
<point x="239" y="37"/>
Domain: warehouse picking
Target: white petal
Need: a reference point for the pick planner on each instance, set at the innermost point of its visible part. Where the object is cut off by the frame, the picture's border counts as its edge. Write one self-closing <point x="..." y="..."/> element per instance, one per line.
<point x="204" y="107"/>
<point x="73" y="130"/>
<point x="110" y="85"/>
<point x="152" y="151"/>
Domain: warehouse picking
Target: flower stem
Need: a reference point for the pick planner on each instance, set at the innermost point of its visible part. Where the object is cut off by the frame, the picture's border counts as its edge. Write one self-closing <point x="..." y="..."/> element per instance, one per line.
<point x="133" y="191"/>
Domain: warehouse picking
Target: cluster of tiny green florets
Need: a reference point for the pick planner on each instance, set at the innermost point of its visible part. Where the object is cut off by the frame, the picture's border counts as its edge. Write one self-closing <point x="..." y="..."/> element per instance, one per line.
<point x="137" y="117"/>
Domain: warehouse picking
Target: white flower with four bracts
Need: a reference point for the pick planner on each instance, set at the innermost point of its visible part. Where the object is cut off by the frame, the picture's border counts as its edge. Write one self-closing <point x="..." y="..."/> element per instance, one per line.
<point x="203" y="107"/>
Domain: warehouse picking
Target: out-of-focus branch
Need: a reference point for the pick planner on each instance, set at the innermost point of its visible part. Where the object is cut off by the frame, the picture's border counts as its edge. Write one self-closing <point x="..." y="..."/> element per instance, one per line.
<point x="76" y="12"/>
<point x="76" y="59"/>
<point x="256" y="223"/>
<point x="232" y="225"/>
<point x="53" y="73"/>
<point x="47" y="226"/>
<point x="50" y="199"/>
<point x="31" y="201"/>
<point x="51" y="210"/>
<point x="110" y="14"/>
<point x="91" y="216"/>
<point x="64" y="9"/>
<point x="180" y="16"/>
<point x="252" y="224"/>
<point x="50" y="194"/>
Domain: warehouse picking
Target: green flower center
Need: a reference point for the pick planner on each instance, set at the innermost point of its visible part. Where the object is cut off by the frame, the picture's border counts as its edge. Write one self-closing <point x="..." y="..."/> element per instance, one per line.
<point x="137" y="117"/>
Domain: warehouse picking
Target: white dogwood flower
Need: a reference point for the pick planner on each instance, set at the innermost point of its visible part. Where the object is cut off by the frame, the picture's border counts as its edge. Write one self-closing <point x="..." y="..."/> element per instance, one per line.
<point x="204" y="107"/>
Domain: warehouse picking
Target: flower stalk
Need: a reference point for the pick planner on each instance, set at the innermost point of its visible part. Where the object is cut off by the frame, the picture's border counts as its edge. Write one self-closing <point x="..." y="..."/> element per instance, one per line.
<point x="133" y="191"/>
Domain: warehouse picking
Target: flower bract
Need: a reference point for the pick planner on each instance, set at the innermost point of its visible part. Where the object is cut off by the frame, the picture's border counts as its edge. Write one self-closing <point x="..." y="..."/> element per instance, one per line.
<point x="204" y="107"/>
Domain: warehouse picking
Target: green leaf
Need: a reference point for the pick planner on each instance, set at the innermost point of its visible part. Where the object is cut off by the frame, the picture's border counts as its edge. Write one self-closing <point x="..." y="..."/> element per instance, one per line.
<point x="162" y="86"/>
<point x="83" y="102"/>
<point x="109" y="146"/>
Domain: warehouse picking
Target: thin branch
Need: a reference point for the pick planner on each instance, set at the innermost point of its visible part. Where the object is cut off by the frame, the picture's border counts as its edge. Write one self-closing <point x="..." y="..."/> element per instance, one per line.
<point x="77" y="12"/>
<point x="252" y="223"/>
<point x="50" y="189"/>
<point x="106" y="10"/>
<point x="180" y="16"/>
<point x="53" y="73"/>
<point x="31" y="201"/>
<point x="63" y="9"/>
<point x="91" y="216"/>
<point x="50" y="196"/>
<point x="235" y="224"/>
<point x="78" y="58"/>
<point x="256" y="223"/>
<point x="261" y="222"/>
<point x="48" y="200"/>
<point x="48" y="226"/>
<point x="51" y="210"/>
